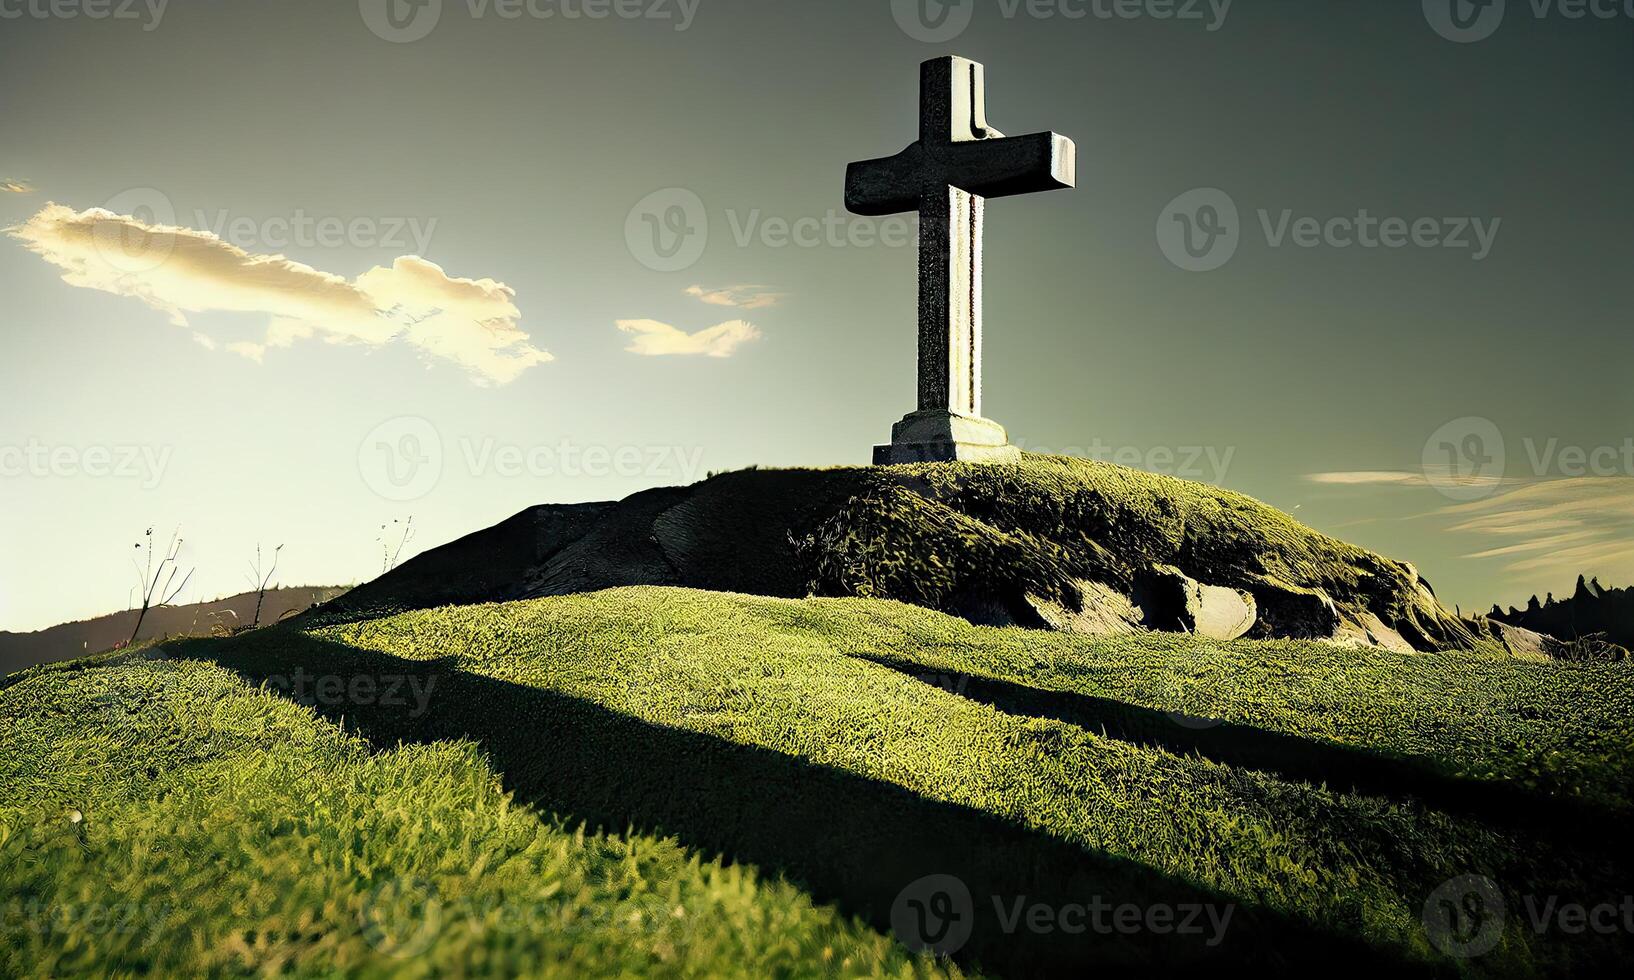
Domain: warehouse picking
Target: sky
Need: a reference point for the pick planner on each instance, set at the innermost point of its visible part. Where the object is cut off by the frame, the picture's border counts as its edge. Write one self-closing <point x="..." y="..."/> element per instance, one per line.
<point x="291" y="273"/>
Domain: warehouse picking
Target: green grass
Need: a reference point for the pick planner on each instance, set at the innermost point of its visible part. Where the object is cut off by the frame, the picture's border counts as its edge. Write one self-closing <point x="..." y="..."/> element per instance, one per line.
<point x="837" y="751"/>
<point x="228" y="831"/>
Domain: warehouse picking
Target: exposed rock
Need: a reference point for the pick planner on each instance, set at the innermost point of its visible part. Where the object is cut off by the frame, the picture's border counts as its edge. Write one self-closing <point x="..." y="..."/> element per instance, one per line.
<point x="1105" y="612"/>
<point x="1521" y="641"/>
<point x="1172" y="601"/>
<point x="1294" y="611"/>
<point x="1369" y="630"/>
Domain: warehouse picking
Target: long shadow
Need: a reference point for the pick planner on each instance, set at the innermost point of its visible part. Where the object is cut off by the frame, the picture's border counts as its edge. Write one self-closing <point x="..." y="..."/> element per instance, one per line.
<point x="1280" y="754"/>
<point x="863" y="845"/>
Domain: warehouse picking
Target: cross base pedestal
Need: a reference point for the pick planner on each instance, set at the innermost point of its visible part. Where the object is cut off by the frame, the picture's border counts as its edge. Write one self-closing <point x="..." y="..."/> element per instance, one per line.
<point x="946" y="437"/>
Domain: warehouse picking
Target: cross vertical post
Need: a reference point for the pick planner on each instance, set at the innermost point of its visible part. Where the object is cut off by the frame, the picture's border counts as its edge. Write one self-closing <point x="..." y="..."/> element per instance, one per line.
<point x="947" y="175"/>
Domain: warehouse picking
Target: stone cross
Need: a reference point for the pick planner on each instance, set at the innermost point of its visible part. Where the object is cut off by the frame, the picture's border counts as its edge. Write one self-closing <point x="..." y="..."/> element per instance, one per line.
<point x="946" y="175"/>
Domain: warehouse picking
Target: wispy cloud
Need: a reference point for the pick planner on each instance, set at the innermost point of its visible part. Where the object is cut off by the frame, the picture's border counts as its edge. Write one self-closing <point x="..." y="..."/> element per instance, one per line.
<point x="1440" y="477"/>
<point x="739" y="297"/>
<point x="1568" y="526"/>
<point x="11" y="185"/>
<point x="652" y="338"/>
<point x="183" y="271"/>
<point x="1354" y="478"/>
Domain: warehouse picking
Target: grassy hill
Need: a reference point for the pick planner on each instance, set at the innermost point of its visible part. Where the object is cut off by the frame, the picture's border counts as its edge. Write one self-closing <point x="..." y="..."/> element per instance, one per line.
<point x="1054" y="542"/>
<point x="669" y="781"/>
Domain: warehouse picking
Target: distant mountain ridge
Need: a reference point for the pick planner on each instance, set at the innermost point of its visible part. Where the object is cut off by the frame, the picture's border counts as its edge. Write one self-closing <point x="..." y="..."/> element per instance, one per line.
<point x="69" y="640"/>
<point x="1592" y="610"/>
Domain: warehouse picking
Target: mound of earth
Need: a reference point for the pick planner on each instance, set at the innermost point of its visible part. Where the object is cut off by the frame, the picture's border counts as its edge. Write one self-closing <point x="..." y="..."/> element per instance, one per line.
<point x="1052" y="543"/>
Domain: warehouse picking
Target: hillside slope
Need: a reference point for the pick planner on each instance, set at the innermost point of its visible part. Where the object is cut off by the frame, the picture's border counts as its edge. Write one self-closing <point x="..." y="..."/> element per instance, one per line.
<point x="1055" y="542"/>
<point x="1315" y="803"/>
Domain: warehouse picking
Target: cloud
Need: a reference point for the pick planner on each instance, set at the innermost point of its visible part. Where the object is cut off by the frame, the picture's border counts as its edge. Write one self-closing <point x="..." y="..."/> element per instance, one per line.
<point x="181" y="272"/>
<point x="655" y="339"/>
<point x="739" y="297"/>
<point x="1566" y="526"/>
<point x="13" y="186"/>
<point x="1353" y="478"/>
<point x="1442" y="477"/>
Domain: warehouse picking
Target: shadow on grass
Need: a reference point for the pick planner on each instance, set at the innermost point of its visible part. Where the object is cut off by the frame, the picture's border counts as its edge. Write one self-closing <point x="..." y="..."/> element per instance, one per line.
<point x="1291" y="757"/>
<point x="851" y="841"/>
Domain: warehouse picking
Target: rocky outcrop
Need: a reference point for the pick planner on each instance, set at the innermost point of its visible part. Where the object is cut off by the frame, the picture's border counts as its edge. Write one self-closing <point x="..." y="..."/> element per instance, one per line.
<point x="1052" y="543"/>
<point x="1172" y="601"/>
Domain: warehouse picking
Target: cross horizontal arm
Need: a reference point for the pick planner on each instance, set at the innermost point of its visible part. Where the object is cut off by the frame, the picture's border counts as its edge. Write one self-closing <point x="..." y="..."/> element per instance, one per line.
<point x="987" y="168"/>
